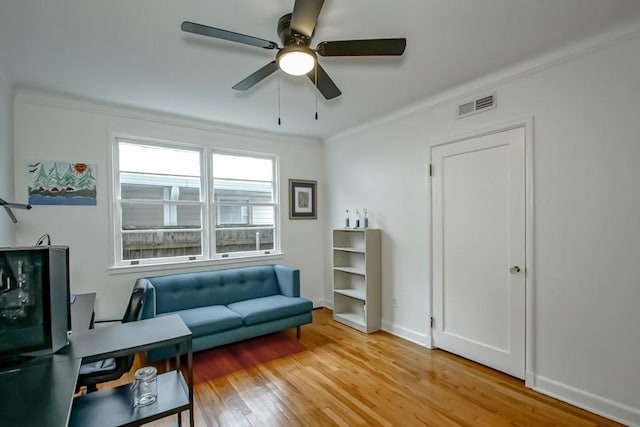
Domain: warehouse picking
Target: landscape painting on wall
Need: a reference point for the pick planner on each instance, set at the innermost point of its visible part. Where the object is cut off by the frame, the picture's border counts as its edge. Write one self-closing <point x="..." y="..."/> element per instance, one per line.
<point x="61" y="183"/>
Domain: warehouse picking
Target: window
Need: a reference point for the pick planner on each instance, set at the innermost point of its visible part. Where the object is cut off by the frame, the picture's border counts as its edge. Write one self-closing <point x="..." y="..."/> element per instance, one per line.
<point x="167" y="211"/>
<point x="243" y="193"/>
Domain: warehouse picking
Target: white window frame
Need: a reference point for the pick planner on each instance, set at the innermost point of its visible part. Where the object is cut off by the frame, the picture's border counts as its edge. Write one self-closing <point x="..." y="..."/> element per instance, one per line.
<point x="208" y="207"/>
<point x="276" y="205"/>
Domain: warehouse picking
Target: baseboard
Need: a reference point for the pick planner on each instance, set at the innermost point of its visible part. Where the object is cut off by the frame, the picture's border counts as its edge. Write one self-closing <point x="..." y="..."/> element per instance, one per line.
<point x="591" y="402"/>
<point x="323" y="303"/>
<point x="399" y="331"/>
<point x="407" y="334"/>
<point x="530" y="379"/>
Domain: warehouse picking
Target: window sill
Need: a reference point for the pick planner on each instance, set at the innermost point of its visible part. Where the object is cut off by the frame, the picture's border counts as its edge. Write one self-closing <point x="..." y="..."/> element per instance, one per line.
<point x="145" y="268"/>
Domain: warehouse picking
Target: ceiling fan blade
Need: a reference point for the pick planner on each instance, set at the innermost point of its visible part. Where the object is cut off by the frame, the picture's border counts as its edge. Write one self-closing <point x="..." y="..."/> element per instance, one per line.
<point x="11" y="215"/>
<point x="8" y="205"/>
<point x="14" y="205"/>
<point x="204" y="30"/>
<point x="325" y="85"/>
<point x="256" y="77"/>
<point x="370" y="47"/>
<point x="305" y="16"/>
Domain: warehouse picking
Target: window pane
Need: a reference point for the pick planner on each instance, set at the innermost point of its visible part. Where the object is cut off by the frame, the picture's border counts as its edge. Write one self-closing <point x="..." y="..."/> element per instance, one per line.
<point x="158" y="160"/>
<point x="243" y="239"/>
<point x="236" y="167"/>
<point x="262" y="215"/>
<point x="158" y="244"/>
<point x="142" y="192"/>
<point x="227" y="190"/>
<point x="233" y="215"/>
<point x="141" y="216"/>
<point x="158" y="187"/>
<point x="256" y="215"/>
<point x="244" y="198"/>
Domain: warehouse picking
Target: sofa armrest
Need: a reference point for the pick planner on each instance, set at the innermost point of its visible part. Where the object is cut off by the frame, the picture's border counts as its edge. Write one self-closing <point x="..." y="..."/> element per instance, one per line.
<point x="288" y="280"/>
<point x="149" y="304"/>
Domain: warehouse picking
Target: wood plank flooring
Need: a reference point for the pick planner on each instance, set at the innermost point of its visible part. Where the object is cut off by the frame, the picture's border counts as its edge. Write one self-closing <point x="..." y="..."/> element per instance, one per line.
<point x="346" y="378"/>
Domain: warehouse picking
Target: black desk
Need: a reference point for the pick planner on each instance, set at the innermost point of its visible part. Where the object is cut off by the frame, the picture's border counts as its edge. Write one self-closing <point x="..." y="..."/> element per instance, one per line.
<point x="40" y="393"/>
<point x="174" y="394"/>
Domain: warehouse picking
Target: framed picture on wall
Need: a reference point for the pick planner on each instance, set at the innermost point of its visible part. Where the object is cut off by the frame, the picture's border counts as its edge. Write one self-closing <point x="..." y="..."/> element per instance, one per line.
<point x="61" y="183"/>
<point x="302" y="199"/>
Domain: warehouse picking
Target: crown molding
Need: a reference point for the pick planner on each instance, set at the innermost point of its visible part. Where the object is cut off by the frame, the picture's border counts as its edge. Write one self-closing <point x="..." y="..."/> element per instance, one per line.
<point x="27" y="95"/>
<point x="585" y="47"/>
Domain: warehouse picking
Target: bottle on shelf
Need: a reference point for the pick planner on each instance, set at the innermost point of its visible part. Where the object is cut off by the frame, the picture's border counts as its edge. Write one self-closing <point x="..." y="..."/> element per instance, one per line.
<point x="366" y="220"/>
<point x="346" y="221"/>
<point x="357" y="224"/>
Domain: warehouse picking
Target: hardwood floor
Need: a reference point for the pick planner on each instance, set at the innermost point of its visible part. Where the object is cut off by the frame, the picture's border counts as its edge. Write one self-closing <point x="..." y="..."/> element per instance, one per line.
<point x="346" y="378"/>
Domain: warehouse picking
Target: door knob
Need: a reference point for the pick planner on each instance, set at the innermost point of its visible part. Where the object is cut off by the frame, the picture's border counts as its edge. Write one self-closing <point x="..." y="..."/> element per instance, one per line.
<point x="515" y="269"/>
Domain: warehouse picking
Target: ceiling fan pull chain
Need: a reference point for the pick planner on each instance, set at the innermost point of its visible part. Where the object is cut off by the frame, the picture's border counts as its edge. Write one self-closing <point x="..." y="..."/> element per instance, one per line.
<point x="279" y="121"/>
<point x="316" y="91"/>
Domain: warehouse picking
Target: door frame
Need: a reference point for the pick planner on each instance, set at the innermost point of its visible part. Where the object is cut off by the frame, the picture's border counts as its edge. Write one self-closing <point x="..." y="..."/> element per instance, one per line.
<point x="526" y="123"/>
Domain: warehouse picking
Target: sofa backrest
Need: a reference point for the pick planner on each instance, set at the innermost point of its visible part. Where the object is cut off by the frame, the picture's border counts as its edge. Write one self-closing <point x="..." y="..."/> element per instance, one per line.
<point x="218" y="287"/>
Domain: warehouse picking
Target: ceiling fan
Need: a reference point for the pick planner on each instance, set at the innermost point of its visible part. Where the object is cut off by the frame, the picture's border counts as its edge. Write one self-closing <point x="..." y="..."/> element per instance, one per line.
<point x="296" y="57"/>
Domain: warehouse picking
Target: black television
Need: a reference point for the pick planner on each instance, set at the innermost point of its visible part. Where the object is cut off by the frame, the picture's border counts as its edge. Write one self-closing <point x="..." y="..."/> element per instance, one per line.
<point x="35" y="313"/>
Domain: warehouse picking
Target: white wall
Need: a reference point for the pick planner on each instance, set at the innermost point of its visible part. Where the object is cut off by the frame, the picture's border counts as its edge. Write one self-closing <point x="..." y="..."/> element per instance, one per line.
<point x="586" y="210"/>
<point x="7" y="230"/>
<point x="49" y="127"/>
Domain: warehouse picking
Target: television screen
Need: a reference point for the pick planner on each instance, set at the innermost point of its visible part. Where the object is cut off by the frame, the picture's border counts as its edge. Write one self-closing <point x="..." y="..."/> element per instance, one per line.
<point x="34" y="300"/>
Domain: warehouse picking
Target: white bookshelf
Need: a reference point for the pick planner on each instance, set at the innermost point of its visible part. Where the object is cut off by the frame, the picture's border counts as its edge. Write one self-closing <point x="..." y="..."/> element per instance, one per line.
<point x="356" y="278"/>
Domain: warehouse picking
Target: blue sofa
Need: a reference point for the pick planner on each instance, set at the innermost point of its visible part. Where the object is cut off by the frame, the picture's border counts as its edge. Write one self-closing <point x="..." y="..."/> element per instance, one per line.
<point x="224" y="306"/>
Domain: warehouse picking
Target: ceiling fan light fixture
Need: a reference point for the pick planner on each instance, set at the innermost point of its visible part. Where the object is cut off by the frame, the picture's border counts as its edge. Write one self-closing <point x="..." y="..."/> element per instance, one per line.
<point x="296" y="60"/>
<point x="296" y="31"/>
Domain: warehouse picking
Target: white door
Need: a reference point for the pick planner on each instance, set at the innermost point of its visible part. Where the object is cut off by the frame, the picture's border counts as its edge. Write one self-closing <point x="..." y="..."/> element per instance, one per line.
<point x="478" y="203"/>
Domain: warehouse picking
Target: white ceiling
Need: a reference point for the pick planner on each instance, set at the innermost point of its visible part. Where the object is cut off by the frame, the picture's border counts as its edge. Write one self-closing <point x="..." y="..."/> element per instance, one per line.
<point x="132" y="52"/>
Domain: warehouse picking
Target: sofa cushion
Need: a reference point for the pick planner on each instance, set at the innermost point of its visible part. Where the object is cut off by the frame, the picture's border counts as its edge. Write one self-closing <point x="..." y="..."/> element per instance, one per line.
<point x="209" y="320"/>
<point x="175" y="292"/>
<point x="259" y="310"/>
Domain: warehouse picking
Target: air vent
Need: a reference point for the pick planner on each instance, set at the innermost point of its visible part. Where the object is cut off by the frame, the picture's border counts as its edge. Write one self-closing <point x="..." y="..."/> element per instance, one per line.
<point x="477" y="105"/>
